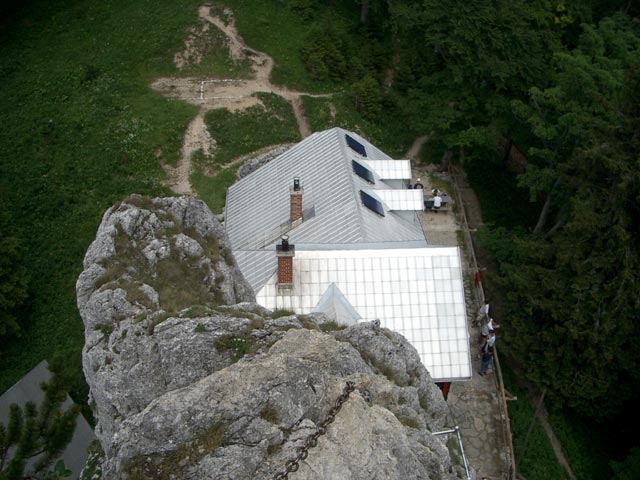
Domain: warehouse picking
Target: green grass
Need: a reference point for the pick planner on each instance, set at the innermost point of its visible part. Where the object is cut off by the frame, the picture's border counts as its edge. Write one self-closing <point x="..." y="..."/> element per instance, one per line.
<point x="539" y="461"/>
<point x="239" y="133"/>
<point x="80" y="131"/>
<point x="216" y="61"/>
<point x="212" y="190"/>
<point x="245" y="131"/>
<point x="585" y="447"/>
<point x="274" y="28"/>
<point x="239" y="346"/>
<point x="388" y="134"/>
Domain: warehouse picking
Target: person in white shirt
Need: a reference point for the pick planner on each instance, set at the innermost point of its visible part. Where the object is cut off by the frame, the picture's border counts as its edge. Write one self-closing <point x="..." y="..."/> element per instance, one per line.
<point x="491" y="341"/>
<point x="483" y="313"/>
<point x="437" y="202"/>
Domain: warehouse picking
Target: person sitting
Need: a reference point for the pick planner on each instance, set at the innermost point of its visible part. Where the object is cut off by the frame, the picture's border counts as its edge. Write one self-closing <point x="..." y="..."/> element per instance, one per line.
<point x="418" y="184"/>
<point x="435" y="192"/>
<point x="437" y="203"/>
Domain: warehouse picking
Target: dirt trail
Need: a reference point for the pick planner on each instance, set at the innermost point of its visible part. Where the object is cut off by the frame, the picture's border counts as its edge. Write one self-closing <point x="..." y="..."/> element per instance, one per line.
<point x="298" y="111"/>
<point x="196" y="138"/>
<point x="210" y="93"/>
<point x="413" y="152"/>
<point x="555" y="443"/>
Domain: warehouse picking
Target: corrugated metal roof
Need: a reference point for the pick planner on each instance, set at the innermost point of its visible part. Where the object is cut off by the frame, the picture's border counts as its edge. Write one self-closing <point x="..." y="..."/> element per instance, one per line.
<point x="257" y="266"/>
<point x="257" y="208"/>
<point x="417" y="292"/>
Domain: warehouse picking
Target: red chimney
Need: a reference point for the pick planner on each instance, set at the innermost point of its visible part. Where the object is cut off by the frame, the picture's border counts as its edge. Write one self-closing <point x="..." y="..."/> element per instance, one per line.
<point x="296" y="201"/>
<point x="285" y="254"/>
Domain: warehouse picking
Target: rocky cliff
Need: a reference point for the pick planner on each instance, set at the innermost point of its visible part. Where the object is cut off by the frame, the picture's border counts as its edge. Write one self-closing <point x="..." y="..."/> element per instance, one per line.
<point x="191" y="379"/>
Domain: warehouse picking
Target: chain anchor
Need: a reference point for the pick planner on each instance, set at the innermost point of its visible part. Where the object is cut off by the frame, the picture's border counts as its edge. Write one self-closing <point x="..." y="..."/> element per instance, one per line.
<point x="312" y="440"/>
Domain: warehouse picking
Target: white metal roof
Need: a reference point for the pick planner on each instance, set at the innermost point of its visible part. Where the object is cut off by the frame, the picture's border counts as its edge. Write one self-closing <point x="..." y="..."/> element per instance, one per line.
<point x="334" y="304"/>
<point x="390" y="169"/>
<point x="417" y="292"/>
<point x="401" y="199"/>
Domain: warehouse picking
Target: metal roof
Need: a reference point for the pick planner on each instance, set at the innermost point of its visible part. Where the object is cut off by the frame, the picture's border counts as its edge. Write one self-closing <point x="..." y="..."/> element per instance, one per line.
<point x="351" y="263"/>
<point x="390" y="169"/>
<point x="334" y="305"/>
<point x="417" y="292"/>
<point x="400" y="199"/>
<point x="257" y="208"/>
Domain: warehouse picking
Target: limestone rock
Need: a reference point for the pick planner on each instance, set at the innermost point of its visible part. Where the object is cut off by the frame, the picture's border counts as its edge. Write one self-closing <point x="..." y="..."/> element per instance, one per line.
<point x="191" y="379"/>
<point x="152" y="259"/>
<point x="255" y="162"/>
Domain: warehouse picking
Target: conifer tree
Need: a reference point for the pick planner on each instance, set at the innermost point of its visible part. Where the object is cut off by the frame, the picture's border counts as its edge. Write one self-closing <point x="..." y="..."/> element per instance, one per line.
<point x="38" y="433"/>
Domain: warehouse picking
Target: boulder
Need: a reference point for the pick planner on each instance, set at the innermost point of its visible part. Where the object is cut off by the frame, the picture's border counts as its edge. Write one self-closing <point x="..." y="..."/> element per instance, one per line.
<point x="190" y="378"/>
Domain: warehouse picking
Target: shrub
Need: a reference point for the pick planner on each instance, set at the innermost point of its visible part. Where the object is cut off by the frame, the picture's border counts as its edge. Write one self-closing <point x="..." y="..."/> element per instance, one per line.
<point x="368" y="97"/>
<point x="324" y="53"/>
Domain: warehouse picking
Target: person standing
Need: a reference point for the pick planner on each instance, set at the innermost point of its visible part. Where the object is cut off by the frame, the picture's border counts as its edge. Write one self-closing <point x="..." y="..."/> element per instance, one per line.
<point x="483" y="314"/>
<point x="418" y="184"/>
<point x="491" y="339"/>
<point x="487" y="359"/>
<point x="487" y="338"/>
<point x="487" y="327"/>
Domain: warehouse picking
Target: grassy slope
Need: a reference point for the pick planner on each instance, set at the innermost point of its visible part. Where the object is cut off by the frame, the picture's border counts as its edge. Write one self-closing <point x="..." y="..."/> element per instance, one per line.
<point x="390" y="135"/>
<point x="238" y="134"/>
<point x="274" y="28"/>
<point x="81" y="130"/>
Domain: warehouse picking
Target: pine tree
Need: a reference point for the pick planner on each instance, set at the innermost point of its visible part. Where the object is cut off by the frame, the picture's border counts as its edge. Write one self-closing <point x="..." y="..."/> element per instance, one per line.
<point x="39" y="433"/>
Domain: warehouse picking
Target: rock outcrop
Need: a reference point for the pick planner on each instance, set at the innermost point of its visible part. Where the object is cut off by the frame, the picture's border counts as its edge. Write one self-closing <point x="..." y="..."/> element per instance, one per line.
<point x="257" y="161"/>
<point x="191" y="379"/>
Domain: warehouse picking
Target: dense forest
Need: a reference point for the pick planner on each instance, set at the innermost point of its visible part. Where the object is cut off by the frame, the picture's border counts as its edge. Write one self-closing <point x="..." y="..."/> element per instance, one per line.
<point x="556" y="81"/>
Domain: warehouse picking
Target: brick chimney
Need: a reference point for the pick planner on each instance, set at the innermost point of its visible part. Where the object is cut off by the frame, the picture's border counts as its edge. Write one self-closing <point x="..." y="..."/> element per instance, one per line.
<point x="296" y="201"/>
<point x="285" y="254"/>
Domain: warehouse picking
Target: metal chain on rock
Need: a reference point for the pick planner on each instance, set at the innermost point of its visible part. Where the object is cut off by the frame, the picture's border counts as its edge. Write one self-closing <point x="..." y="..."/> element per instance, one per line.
<point x="312" y="440"/>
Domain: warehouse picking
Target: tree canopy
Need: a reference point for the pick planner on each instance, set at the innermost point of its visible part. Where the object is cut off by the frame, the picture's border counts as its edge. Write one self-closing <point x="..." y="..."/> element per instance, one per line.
<point x="574" y="289"/>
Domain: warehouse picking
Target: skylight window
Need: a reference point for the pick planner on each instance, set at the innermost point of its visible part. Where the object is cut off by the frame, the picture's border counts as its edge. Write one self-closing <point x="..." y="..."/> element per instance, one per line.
<point x="356" y="146"/>
<point x="371" y="203"/>
<point x="363" y="172"/>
